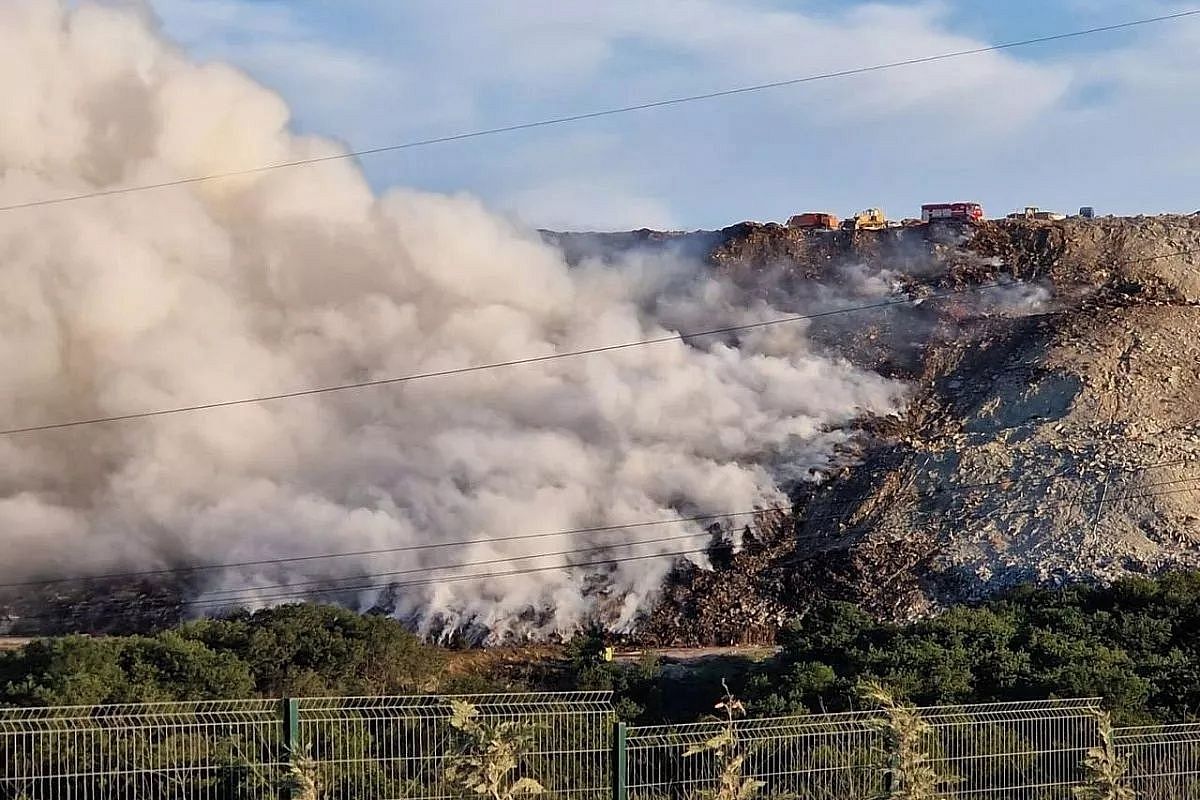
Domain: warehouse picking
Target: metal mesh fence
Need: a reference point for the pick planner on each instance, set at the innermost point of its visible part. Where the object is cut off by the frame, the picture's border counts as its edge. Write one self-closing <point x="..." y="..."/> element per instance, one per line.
<point x="1015" y="751"/>
<point x="397" y="747"/>
<point x="1164" y="760"/>
<point x="191" y="751"/>
<point x="823" y="757"/>
<point x="1024" y="751"/>
<point x="400" y="747"/>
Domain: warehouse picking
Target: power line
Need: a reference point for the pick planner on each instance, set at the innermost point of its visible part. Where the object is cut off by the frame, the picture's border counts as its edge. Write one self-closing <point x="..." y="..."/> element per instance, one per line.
<point x="1006" y="484"/>
<point x="237" y="596"/>
<point x="483" y="540"/>
<point x="388" y="550"/>
<point x="243" y="592"/>
<point x="308" y="593"/>
<point x="608" y="112"/>
<point x="343" y="387"/>
<point x="600" y="548"/>
<point x="601" y="562"/>
<point x="675" y="337"/>
<point x="376" y="586"/>
<point x="404" y="584"/>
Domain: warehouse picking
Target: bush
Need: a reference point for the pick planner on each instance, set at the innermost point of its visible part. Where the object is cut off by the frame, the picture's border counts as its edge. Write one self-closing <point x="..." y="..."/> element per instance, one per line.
<point x="290" y="650"/>
<point x="1133" y="643"/>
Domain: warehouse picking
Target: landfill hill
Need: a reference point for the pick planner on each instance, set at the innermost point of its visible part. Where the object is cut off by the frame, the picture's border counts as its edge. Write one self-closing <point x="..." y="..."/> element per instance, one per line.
<point x="1052" y="434"/>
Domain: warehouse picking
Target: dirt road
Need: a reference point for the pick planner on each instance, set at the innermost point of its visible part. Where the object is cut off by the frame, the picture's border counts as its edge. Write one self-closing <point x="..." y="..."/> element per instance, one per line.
<point x="686" y="654"/>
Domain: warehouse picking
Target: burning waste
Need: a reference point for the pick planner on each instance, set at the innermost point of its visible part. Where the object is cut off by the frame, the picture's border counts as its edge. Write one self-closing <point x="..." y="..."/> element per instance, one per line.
<point x="292" y="279"/>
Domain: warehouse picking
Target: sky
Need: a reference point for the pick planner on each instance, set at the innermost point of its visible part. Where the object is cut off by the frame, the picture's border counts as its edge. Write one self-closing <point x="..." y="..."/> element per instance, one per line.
<point x="1106" y="120"/>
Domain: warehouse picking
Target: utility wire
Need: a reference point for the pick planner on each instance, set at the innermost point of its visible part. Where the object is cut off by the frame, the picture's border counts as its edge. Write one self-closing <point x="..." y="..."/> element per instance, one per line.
<point x="235" y="597"/>
<point x="243" y="592"/>
<point x="608" y="112"/>
<point x="1006" y="484"/>
<point x="343" y="387"/>
<point x="600" y="548"/>
<point x="378" y="586"/>
<point x="372" y="586"/>
<point x="387" y="550"/>
<point x="392" y="584"/>
<point x="467" y="542"/>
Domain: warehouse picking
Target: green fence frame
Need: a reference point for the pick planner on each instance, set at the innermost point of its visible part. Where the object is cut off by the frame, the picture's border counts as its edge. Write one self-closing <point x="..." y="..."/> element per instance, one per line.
<point x="384" y="748"/>
<point x="352" y="747"/>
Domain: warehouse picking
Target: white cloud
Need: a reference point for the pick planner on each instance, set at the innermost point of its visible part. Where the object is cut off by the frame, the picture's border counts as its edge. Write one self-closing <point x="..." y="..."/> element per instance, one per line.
<point x="1006" y="127"/>
<point x="588" y="204"/>
<point x="199" y="20"/>
<point x="525" y="45"/>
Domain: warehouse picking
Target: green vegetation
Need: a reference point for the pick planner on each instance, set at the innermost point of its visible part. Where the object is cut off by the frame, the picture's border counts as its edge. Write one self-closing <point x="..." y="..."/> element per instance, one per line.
<point x="299" y="650"/>
<point x="488" y="755"/>
<point x="637" y="691"/>
<point x="909" y="768"/>
<point x="728" y="753"/>
<point x="1134" y="643"/>
<point x="1105" y="767"/>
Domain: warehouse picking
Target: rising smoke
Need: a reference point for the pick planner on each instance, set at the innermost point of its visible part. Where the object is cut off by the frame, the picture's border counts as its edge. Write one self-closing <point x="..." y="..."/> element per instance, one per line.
<point x="303" y="278"/>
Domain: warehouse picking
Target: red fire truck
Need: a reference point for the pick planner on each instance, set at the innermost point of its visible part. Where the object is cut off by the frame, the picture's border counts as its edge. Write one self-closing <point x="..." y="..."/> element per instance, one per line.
<point x="959" y="212"/>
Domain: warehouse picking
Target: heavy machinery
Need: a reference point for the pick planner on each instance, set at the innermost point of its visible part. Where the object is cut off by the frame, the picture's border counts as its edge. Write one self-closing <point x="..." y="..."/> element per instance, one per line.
<point x="818" y="220"/>
<point x="872" y="219"/>
<point x="1030" y="212"/>
<point x="957" y="212"/>
<point x="1087" y="212"/>
<point x="1033" y="212"/>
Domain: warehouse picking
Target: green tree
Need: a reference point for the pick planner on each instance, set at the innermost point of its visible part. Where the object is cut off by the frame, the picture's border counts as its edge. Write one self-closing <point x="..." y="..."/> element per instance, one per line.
<point x="637" y="689"/>
<point x="170" y="667"/>
<point x="311" y="650"/>
<point x="72" y="670"/>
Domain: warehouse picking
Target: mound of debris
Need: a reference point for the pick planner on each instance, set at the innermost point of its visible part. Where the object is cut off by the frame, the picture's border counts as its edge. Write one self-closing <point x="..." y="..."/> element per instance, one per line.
<point x="1053" y="433"/>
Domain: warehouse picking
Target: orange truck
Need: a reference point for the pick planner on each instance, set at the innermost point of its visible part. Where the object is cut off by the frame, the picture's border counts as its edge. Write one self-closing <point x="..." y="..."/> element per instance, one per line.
<point x="814" y="219"/>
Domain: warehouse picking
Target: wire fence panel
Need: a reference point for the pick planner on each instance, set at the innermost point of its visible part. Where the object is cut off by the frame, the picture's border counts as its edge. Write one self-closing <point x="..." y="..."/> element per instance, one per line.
<point x="1015" y="751"/>
<point x="222" y="750"/>
<point x="380" y="748"/>
<point x="387" y="748"/>
<point x="822" y="757"/>
<point x="1164" y="760"/>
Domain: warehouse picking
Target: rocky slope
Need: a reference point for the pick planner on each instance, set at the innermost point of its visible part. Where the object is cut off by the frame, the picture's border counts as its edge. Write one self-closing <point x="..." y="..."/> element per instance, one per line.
<point x="1053" y="432"/>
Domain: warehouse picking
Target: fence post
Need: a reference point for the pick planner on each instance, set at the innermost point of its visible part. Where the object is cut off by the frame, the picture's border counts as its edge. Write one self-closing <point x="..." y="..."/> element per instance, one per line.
<point x="290" y="719"/>
<point x="619" y="762"/>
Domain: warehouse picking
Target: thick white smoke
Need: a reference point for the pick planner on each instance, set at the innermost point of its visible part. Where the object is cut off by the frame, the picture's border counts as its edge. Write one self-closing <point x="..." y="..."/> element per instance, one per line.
<point x="303" y="278"/>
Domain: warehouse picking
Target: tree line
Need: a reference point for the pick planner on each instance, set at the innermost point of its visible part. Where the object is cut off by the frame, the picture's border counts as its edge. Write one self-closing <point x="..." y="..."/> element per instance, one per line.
<point x="1136" y="643"/>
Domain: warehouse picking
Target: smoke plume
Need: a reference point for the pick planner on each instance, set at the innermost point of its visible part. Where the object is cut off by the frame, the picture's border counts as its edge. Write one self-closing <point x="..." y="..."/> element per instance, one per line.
<point x="299" y="278"/>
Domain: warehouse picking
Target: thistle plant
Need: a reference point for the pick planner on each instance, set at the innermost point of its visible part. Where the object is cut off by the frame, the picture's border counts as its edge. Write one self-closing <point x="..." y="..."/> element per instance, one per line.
<point x="489" y="755"/>
<point x="302" y="779"/>
<point x="726" y="749"/>
<point x="1104" y="766"/>
<point x="910" y="768"/>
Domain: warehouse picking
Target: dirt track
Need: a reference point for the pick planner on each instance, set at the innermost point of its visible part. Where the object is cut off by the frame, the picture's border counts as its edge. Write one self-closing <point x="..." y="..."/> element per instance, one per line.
<point x="689" y="654"/>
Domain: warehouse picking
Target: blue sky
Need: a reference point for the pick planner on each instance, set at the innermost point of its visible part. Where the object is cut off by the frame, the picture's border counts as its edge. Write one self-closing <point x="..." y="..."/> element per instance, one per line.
<point x="1106" y="121"/>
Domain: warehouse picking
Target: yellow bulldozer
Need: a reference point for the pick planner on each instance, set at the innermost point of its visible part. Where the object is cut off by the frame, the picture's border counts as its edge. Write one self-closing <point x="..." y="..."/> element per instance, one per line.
<point x="872" y="219"/>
